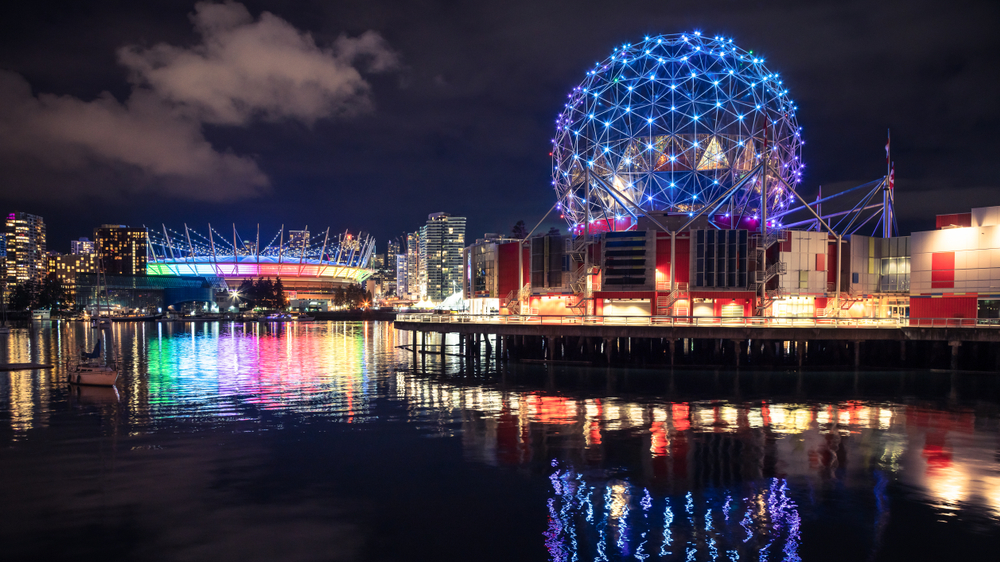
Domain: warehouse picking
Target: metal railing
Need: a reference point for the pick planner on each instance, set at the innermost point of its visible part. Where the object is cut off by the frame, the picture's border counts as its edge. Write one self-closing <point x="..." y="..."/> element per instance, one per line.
<point x="766" y="241"/>
<point x="776" y="268"/>
<point x="706" y="321"/>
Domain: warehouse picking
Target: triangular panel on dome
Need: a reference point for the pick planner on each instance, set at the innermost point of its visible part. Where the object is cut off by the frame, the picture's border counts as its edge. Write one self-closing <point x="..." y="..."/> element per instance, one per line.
<point x="713" y="158"/>
<point x="747" y="157"/>
<point x="634" y="158"/>
<point x="576" y="173"/>
<point x="671" y="155"/>
<point x="602" y="166"/>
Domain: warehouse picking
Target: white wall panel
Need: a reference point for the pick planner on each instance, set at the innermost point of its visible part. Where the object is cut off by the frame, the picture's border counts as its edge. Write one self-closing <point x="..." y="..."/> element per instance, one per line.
<point x="920" y="262"/>
<point x="920" y="241"/>
<point x="989" y="237"/>
<point x="633" y="308"/>
<point x="961" y="260"/>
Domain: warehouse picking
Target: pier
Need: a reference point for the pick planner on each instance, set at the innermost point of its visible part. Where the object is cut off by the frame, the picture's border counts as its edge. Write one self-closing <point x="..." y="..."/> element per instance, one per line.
<point x="737" y="342"/>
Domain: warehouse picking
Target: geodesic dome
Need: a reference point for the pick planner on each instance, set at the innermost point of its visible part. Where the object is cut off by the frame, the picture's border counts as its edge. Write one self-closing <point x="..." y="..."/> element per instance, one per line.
<point x="671" y="123"/>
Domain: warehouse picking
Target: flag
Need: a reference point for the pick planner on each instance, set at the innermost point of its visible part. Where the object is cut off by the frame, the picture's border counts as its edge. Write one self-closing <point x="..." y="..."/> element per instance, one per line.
<point x="892" y="178"/>
<point x="888" y="139"/>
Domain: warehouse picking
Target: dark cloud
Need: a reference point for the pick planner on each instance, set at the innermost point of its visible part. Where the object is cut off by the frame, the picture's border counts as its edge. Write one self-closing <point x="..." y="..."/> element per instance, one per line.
<point x="242" y="70"/>
<point x="245" y="69"/>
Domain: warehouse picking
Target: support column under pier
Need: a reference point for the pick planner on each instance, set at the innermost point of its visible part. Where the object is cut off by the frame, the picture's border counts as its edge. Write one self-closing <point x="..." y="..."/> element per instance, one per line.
<point x="955" y="345"/>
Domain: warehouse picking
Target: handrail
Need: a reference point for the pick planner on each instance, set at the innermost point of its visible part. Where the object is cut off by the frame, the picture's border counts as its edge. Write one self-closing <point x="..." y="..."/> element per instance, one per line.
<point x="706" y="321"/>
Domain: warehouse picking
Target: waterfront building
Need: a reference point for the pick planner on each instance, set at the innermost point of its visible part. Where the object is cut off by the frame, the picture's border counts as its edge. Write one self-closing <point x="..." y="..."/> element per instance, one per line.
<point x="955" y="269"/>
<point x="122" y="250"/>
<point x="142" y="294"/>
<point x="689" y="217"/>
<point x="82" y="246"/>
<point x="408" y="269"/>
<point x="25" y="247"/>
<point x="490" y="279"/>
<point x="67" y="269"/>
<point x="402" y="288"/>
<point x="441" y="242"/>
<point x="387" y="271"/>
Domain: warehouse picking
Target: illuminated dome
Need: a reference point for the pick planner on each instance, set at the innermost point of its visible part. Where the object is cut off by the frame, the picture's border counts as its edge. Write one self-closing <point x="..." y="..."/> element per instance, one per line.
<point x="670" y="124"/>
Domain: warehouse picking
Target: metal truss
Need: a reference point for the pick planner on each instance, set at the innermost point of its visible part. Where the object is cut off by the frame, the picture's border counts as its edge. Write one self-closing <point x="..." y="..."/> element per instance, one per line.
<point x="288" y="253"/>
<point x="671" y="123"/>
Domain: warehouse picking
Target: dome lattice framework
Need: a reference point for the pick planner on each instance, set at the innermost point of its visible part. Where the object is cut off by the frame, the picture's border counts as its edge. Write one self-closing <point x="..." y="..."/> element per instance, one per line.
<point x="671" y="124"/>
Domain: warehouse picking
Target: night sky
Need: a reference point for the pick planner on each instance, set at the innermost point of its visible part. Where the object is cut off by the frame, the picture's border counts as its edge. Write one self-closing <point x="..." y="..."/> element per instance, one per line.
<point x="368" y="115"/>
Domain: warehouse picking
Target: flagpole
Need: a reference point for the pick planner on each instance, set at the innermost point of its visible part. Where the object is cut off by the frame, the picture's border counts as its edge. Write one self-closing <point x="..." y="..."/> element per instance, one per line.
<point x="886" y="208"/>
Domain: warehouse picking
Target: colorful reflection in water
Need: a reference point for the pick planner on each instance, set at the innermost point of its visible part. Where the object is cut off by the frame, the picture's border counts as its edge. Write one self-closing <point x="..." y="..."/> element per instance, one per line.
<point x="629" y="475"/>
<point x="620" y="521"/>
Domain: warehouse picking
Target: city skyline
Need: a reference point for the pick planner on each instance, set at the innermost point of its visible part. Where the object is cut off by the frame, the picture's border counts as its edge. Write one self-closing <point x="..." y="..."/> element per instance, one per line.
<point x="429" y="125"/>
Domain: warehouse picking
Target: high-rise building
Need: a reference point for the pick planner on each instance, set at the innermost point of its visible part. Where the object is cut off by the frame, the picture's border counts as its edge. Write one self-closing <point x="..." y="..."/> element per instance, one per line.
<point x="3" y="256"/>
<point x="298" y="241"/>
<point x="82" y="246"/>
<point x="25" y="241"/>
<point x="402" y="286"/>
<point x="414" y="288"/>
<point x="387" y="272"/>
<point x="442" y="240"/>
<point x="122" y="250"/>
<point x="66" y="269"/>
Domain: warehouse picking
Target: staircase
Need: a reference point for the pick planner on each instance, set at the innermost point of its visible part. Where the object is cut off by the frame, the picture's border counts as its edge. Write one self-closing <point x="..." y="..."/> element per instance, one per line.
<point x="776" y="268"/>
<point x="514" y="299"/>
<point x="577" y="255"/>
<point x="767" y="240"/>
<point x="664" y="304"/>
<point x="769" y="298"/>
<point x="845" y="304"/>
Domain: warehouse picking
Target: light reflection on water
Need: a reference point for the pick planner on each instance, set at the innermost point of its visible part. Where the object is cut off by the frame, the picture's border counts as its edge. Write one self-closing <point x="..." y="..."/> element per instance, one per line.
<point x="630" y="475"/>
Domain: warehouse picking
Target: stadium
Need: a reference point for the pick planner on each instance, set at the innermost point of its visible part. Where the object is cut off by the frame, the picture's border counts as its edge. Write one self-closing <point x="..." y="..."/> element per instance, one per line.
<point x="311" y="265"/>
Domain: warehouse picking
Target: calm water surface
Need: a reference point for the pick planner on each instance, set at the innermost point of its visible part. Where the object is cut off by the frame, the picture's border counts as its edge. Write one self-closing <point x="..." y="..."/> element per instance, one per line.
<point x="323" y="442"/>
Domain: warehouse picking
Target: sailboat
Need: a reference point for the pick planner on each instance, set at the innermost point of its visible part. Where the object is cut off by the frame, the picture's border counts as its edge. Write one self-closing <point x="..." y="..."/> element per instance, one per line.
<point x="92" y="368"/>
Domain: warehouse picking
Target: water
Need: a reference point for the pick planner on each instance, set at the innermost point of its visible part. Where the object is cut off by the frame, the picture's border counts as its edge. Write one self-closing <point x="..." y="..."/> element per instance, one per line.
<point x="320" y="442"/>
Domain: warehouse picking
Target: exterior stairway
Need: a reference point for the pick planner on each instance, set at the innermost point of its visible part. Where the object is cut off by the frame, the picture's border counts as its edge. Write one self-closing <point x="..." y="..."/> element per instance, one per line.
<point x="664" y="304"/>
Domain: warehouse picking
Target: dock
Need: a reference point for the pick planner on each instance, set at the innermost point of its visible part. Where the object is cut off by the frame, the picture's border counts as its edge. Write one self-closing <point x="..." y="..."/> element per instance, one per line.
<point x="822" y="342"/>
<point x="23" y="366"/>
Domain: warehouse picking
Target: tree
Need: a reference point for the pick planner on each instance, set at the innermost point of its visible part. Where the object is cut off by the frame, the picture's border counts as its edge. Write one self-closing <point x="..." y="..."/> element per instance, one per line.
<point x="280" y="300"/>
<point x="265" y="293"/>
<point x="22" y="297"/>
<point x="520" y="230"/>
<point x="339" y="296"/>
<point x="52" y="295"/>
